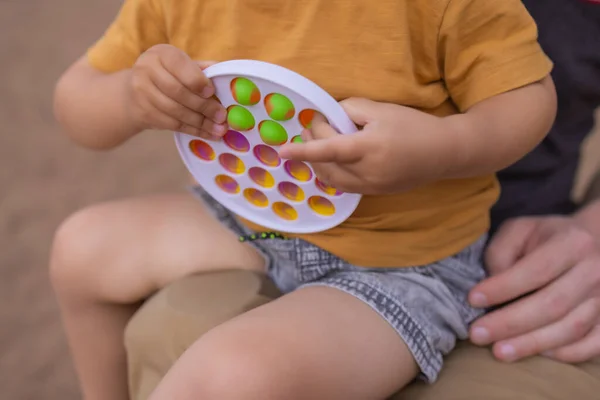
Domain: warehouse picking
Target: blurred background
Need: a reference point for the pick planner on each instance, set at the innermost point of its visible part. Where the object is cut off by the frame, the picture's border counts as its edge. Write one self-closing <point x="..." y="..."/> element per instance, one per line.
<point x="43" y="178"/>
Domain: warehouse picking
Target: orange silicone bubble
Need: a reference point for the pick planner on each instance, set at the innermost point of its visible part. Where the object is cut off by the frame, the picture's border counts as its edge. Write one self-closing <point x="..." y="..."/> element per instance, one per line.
<point x="298" y="170"/>
<point x="256" y="197"/>
<point x="202" y="150"/>
<point x="306" y="117"/>
<point x="261" y="177"/>
<point x="291" y="191"/>
<point x="267" y="155"/>
<point x="236" y="141"/>
<point x="327" y="189"/>
<point x="285" y="211"/>
<point x="227" y="184"/>
<point x="232" y="163"/>
<point x="321" y="206"/>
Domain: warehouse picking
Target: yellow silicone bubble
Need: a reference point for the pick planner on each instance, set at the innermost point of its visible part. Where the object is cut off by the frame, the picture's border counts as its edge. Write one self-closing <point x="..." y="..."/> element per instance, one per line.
<point x="285" y="211"/>
<point x="298" y="170"/>
<point x="256" y="197"/>
<point x="327" y="189"/>
<point x="291" y="191"/>
<point x="227" y="184"/>
<point x="202" y="150"/>
<point x="267" y="155"/>
<point x="261" y="177"/>
<point x="321" y="206"/>
<point x="232" y="163"/>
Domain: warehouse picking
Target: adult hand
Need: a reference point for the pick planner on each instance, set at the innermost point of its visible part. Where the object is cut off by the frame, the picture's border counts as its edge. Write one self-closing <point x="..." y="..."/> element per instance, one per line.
<point x="549" y="269"/>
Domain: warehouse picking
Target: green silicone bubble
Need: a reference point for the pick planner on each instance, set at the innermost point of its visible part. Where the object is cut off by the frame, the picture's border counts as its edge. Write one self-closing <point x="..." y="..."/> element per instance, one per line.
<point x="279" y="107"/>
<point x="297" y="139"/>
<point x="272" y="133"/>
<point x="245" y="92"/>
<point x="240" y="119"/>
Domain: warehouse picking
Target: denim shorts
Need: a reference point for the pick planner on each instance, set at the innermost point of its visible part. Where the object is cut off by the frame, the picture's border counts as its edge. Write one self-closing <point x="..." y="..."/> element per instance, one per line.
<point x="426" y="305"/>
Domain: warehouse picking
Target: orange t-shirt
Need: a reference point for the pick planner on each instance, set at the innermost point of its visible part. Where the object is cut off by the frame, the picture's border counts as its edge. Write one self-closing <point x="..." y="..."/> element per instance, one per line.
<point x="439" y="56"/>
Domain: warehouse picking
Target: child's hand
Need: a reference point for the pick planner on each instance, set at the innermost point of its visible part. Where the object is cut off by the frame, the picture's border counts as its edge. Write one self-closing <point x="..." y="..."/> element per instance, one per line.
<point x="390" y="153"/>
<point x="169" y="91"/>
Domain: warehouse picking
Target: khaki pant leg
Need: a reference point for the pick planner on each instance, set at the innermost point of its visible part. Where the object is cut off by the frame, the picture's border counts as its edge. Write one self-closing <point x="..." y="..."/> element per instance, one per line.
<point x="470" y="373"/>
<point x="170" y="321"/>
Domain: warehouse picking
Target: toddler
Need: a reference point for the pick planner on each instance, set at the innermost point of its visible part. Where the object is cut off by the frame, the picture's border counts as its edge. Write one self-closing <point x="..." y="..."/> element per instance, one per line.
<point x="445" y="92"/>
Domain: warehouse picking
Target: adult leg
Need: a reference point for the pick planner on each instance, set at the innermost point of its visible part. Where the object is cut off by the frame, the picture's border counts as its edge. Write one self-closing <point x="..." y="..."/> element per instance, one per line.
<point x="472" y="373"/>
<point x="108" y="258"/>
<point x="315" y="343"/>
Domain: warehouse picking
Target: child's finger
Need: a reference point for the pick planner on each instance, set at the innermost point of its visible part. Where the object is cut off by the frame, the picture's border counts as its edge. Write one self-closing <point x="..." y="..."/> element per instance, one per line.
<point x="340" y="149"/>
<point x="320" y="128"/>
<point x="171" y="87"/>
<point x="335" y="175"/>
<point x="203" y="64"/>
<point x="178" y="112"/>
<point x="186" y="71"/>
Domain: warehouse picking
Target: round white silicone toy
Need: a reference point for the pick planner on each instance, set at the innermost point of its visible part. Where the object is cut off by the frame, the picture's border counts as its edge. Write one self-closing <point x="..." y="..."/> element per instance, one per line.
<point x="267" y="106"/>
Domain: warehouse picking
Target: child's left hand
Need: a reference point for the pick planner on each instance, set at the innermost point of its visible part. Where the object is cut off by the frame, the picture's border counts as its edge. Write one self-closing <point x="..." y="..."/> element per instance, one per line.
<point x="394" y="151"/>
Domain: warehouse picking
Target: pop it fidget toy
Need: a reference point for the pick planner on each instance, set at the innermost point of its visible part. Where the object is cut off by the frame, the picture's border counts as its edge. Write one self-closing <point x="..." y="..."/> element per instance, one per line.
<point x="267" y="106"/>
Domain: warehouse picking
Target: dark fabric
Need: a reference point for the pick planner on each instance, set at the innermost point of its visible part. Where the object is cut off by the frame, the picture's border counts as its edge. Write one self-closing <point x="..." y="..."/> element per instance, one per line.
<point x="541" y="183"/>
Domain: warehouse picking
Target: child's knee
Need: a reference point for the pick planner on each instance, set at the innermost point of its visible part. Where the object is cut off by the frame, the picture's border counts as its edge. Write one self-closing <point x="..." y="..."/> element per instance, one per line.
<point x="229" y="367"/>
<point x="77" y="245"/>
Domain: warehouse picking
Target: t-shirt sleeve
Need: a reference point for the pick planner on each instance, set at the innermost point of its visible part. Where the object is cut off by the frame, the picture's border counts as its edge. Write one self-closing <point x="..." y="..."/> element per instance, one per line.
<point x="488" y="47"/>
<point x="139" y="25"/>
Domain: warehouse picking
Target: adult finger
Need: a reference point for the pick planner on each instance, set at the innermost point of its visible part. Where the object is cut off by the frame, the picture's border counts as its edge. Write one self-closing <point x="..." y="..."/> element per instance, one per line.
<point x="537" y="310"/>
<point x="508" y="244"/>
<point x="537" y="269"/>
<point x="186" y="71"/>
<point x="342" y="149"/>
<point x="174" y="89"/>
<point x="581" y="351"/>
<point x="570" y="329"/>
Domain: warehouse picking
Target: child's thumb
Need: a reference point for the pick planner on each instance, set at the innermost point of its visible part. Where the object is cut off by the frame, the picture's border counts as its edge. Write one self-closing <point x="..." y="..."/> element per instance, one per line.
<point x="360" y="110"/>
<point x="205" y="64"/>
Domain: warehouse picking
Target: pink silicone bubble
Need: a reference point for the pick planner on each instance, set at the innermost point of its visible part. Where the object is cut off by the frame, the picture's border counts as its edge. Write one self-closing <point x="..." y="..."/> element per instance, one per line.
<point x="261" y="177"/>
<point x="291" y="191"/>
<point x="202" y="150"/>
<point x="285" y="211"/>
<point x="227" y="184"/>
<point x="267" y="155"/>
<point x="327" y="189"/>
<point x="321" y="206"/>
<point x="236" y="141"/>
<point x="298" y="170"/>
<point x="256" y="197"/>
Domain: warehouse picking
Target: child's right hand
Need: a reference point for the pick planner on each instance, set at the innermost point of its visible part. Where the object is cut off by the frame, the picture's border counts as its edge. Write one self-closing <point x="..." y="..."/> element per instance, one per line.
<point x="168" y="90"/>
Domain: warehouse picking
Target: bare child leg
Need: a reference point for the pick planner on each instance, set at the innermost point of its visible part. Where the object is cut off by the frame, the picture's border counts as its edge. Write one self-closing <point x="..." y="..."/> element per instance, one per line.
<point x="108" y="258"/>
<point x="315" y="343"/>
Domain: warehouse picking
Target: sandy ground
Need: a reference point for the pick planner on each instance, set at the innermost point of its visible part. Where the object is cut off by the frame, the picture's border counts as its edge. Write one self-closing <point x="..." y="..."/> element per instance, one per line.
<point x="43" y="178"/>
